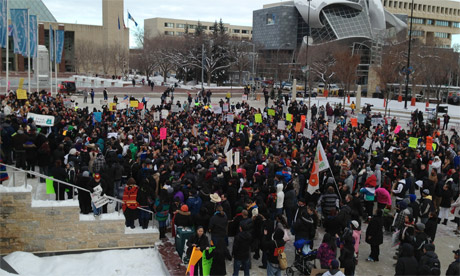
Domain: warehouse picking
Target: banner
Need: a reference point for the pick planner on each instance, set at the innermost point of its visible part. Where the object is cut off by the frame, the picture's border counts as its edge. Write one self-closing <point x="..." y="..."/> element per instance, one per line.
<point x="320" y="164"/>
<point x="51" y="43"/>
<point x="41" y="120"/>
<point x="59" y="45"/>
<point x="19" y="20"/>
<point x="3" y="24"/>
<point x="33" y="28"/>
<point x="194" y="258"/>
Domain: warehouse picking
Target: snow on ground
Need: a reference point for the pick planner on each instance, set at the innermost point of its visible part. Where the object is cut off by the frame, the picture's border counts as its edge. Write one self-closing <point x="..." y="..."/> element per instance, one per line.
<point x="112" y="262"/>
<point x="18" y="189"/>
<point x="105" y="216"/>
<point x="139" y="230"/>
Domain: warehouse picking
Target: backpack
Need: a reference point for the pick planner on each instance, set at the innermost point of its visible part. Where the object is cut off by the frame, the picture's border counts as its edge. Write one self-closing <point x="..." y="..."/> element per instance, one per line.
<point x="281" y="258"/>
<point x="434" y="266"/>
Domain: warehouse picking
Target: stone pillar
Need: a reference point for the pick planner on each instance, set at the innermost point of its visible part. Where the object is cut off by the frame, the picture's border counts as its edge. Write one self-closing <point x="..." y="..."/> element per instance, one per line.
<point x="62" y="64"/>
<point x="294" y="91"/>
<point x="41" y="34"/>
<point x="358" y="99"/>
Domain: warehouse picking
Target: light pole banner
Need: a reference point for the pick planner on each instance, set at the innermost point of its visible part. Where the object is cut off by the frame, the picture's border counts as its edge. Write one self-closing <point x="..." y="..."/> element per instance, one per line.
<point x="59" y="45"/>
<point x="33" y="25"/>
<point x="41" y="120"/>
<point x="3" y="23"/>
<point x="19" y="20"/>
<point x="51" y="44"/>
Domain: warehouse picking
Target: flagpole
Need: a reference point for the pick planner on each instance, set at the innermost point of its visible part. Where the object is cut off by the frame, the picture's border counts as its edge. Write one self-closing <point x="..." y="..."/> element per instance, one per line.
<point x="55" y="61"/>
<point x="36" y="61"/>
<point x="49" y="61"/>
<point x="7" y="50"/>
<point x="28" y="50"/>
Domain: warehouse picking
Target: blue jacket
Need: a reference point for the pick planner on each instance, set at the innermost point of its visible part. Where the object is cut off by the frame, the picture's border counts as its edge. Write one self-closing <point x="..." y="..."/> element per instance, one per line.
<point x="194" y="204"/>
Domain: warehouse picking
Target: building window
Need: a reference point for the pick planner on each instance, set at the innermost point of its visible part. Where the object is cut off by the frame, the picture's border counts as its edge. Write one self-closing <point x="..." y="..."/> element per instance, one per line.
<point x="417" y="20"/>
<point x="456" y="24"/>
<point x="192" y="27"/>
<point x="405" y="6"/>
<point x="180" y="33"/>
<point x="441" y="35"/>
<point x="169" y="25"/>
<point x="179" y="25"/>
<point x="385" y="3"/>
<point x="429" y="21"/>
<point x="245" y="31"/>
<point x="169" y="33"/>
<point x="236" y="31"/>
<point x="416" y="33"/>
<point x="226" y="29"/>
<point x="270" y="19"/>
<point x="442" y="23"/>
<point x="395" y="4"/>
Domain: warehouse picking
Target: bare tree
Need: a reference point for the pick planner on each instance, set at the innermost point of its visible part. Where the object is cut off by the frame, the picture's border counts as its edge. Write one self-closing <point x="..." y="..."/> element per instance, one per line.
<point x="140" y="35"/>
<point x="345" y="68"/>
<point x="322" y="62"/>
<point x="85" y="55"/>
<point x="239" y="52"/>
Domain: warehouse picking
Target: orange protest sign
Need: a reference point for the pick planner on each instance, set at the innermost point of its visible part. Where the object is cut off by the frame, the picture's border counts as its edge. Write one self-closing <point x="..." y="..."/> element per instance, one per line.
<point x="298" y="126"/>
<point x="429" y="143"/>
<point x="354" y="122"/>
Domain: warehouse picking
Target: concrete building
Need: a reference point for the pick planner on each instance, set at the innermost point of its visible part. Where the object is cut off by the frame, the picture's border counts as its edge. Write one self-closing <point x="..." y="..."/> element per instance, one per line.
<point x="171" y="26"/>
<point x="434" y="22"/>
<point x="77" y="37"/>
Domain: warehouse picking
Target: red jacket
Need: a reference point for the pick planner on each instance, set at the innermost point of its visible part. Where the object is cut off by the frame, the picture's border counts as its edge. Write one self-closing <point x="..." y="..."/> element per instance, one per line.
<point x="129" y="197"/>
<point x="371" y="181"/>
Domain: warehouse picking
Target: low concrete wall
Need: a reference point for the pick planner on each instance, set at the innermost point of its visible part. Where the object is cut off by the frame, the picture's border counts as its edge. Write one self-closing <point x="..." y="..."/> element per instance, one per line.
<point x="35" y="229"/>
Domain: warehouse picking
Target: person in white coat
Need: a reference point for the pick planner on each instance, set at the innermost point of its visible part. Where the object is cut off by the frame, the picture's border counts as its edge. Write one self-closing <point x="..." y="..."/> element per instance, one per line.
<point x="279" y="198"/>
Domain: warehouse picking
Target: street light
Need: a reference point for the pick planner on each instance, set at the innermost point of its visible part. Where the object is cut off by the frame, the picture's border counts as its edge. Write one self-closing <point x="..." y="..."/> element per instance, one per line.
<point x="278" y="59"/>
<point x="408" y="54"/>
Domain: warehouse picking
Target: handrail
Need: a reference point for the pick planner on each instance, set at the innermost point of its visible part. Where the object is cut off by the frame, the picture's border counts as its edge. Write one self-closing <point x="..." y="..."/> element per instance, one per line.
<point x="63" y="182"/>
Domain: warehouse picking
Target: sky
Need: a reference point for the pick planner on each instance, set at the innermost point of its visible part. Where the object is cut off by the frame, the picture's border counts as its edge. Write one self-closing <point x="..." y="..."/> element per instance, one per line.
<point x="235" y="12"/>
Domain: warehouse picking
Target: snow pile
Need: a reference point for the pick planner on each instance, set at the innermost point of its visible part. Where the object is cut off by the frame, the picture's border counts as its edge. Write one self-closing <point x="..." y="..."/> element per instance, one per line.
<point x="111" y="262"/>
<point x="108" y="216"/>
<point x="18" y="189"/>
<point x="139" y="230"/>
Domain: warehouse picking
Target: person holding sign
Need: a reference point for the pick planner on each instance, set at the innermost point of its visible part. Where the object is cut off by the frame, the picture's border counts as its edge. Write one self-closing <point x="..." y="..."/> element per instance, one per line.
<point x="199" y="240"/>
<point x="96" y="186"/>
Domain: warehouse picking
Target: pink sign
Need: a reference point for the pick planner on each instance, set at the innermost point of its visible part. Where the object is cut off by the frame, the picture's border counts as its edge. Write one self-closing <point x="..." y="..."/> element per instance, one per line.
<point x="162" y="133"/>
<point x="397" y="129"/>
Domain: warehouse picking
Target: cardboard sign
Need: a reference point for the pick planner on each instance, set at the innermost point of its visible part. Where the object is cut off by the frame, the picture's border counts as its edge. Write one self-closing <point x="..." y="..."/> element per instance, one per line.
<point x="174" y="108"/>
<point x="237" y="158"/>
<point x="133" y="103"/>
<point x="258" y="118"/>
<point x="218" y="110"/>
<point x="41" y="120"/>
<point x="163" y="133"/>
<point x="298" y="127"/>
<point x="354" y="122"/>
<point x="156" y="116"/>
<point x="96" y="197"/>
<point x="194" y="131"/>
<point x="271" y="112"/>
<point x="245" y="97"/>
<point x="289" y="117"/>
<point x="21" y="94"/>
<point x="281" y="125"/>
<point x="429" y="143"/>
<point x="164" y="113"/>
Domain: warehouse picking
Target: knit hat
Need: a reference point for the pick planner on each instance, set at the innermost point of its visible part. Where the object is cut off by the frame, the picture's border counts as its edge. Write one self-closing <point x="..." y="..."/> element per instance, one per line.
<point x="131" y="181"/>
<point x="85" y="174"/>
<point x="355" y="224"/>
<point x="420" y="226"/>
<point x="184" y="208"/>
<point x="98" y="176"/>
<point x="279" y="234"/>
<point x="426" y="192"/>
<point x="334" y="264"/>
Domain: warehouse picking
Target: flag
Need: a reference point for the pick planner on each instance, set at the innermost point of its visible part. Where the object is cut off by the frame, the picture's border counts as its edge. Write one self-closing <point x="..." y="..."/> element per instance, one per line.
<point x="19" y="20"/>
<point x="51" y="44"/>
<point x="59" y="45"/>
<point x="132" y="19"/>
<point x="194" y="258"/>
<point x="10" y="30"/>
<point x="118" y="22"/>
<point x="3" y="23"/>
<point x="33" y="26"/>
<point x="206" y="263"/>
<point x="320" y="164"/>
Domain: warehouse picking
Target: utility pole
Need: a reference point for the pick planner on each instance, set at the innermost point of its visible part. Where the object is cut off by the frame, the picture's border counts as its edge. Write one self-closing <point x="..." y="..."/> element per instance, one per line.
<point x="408" y="55"/>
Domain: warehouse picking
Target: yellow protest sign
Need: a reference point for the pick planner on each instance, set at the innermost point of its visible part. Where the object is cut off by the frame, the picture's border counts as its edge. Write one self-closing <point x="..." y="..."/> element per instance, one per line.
<point x="271" y="112"/>
<point x="112" y="106"/>
<point x="21" y="94"/>
<point x="21" y="83"/>
<point x="133" y="103"/>
<point x="413" y="142"/>
<point x="289" y="117"/>
<point x="258" y="118"/>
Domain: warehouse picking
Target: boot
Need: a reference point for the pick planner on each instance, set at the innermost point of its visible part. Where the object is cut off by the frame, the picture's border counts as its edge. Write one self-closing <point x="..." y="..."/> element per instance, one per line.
<point x="146" y="224"/>
<point x="444" y="222"/>
<point x="439" y="220"/>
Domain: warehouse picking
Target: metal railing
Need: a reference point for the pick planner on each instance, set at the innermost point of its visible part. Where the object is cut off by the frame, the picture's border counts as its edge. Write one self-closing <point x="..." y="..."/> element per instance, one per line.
<point x="16" y="170"/>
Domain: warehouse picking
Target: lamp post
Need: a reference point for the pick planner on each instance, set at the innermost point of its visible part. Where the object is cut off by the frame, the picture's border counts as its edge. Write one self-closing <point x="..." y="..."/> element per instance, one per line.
<point x="278" y="60"/>
<point x="408" y="55"/>
<point x="307" y="70"/>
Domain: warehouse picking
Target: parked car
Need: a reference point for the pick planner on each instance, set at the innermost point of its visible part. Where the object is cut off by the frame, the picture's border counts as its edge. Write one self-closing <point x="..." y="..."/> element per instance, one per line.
<point x="68" y="87"/>
<point x="453" y="98"/>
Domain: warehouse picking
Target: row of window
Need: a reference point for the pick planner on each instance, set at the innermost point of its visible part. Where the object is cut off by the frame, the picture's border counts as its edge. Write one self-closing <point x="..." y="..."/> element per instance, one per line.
<point x="193" y="27"/>
<point x="420" y="7"/>
<point x="441" y="23"/>
<point x="182" y="33"/>
<point x="416" y="33"/>
<point x="441" y="35"/>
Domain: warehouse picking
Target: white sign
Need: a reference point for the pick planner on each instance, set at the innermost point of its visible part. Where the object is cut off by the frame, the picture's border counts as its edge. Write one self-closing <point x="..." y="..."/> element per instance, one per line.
<point x="164" y="113"/>
<point x="245" y="97"/>
<point x="112" y="134"/>
<point x="281" y="125"/>
<point x="367" y="143"/>
<point x="230" y="117"/>
<point x="225" y="107"/>
<point x="96" y="197"/>
<point x="41" y="120"/>
<point x="156" y="116"/>
<point x="229" y="157"/>
<point x="237" y="158"/>
<point x="377" y="121"/>
<point x="218" y="110"/>
<point x="227" y="145"/>
<point x="174" y="108"/>
<point x="307" y="133"/>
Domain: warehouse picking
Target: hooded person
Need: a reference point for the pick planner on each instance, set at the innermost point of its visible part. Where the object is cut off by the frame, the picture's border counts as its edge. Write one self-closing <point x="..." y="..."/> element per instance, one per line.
<point x="272" y="247"/>
<point x="241" y="250"/>
<point x="218" y="225"/>
<point x="333" y="269"/>
<point x="429" y="262"/>
<point x="407" y="263"/>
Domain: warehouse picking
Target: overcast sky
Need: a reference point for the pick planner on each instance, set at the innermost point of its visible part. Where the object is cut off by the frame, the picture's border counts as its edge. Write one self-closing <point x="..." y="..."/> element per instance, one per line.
<point x="236" y="12"/>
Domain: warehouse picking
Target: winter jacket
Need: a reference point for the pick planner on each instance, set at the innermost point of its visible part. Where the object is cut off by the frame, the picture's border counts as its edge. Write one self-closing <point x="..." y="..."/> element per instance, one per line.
<point x="426" y="263"/>
<point x="271" y="248"/>
<point x="347" y="259"/>
<point x="194" y="204"/>
<point x="374" y="232"/>
<point x="218" y="225"/>
<point x="446" y="198"/>
<point x="242" y="246"/>
<point x="407" y="264"/>
<point x="218" y="256"/>
<point x="279" y="196"/>
<point x="183" y="220"/>
<point x="200" y="242"/>
<point x="303" y="225"/>
<point x="129" y="197"/>
<point x="426" y="206"/>
<point x="290" y="200"/>
<point x="383" y="196"/>
<point x="430" y="228"/>
<point x="454" y="268"/>
<point x="369" y="193"/>
<point x="371" y="181"/>
<point x="161" y="210"/>
<point x="325" y="254"/>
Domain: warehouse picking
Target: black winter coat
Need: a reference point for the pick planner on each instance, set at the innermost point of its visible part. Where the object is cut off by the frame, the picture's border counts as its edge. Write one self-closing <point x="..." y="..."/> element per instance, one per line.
<point x="242" y="246"/>
<point x="218" y="261"/>
<point x="218" y="225"/>
<point x="407" y="264"/>
<point x="200" y="242"/>
<point x="374" y="232"/>
<point x="269" y="246"/>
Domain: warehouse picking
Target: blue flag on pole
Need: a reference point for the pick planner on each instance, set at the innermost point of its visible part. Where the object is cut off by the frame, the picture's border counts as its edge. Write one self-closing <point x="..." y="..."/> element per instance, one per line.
<point x="33" y="26"/>
<point x="3" y="23"/>
<point x="51" y="44"/>
<point x="19" y="20"/>
<point x="132" y="19"/>
<point x="59" y="45"/>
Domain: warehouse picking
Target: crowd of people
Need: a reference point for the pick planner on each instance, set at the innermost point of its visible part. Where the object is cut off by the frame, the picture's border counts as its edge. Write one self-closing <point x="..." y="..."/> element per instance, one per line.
<point x="236" y="176"/>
